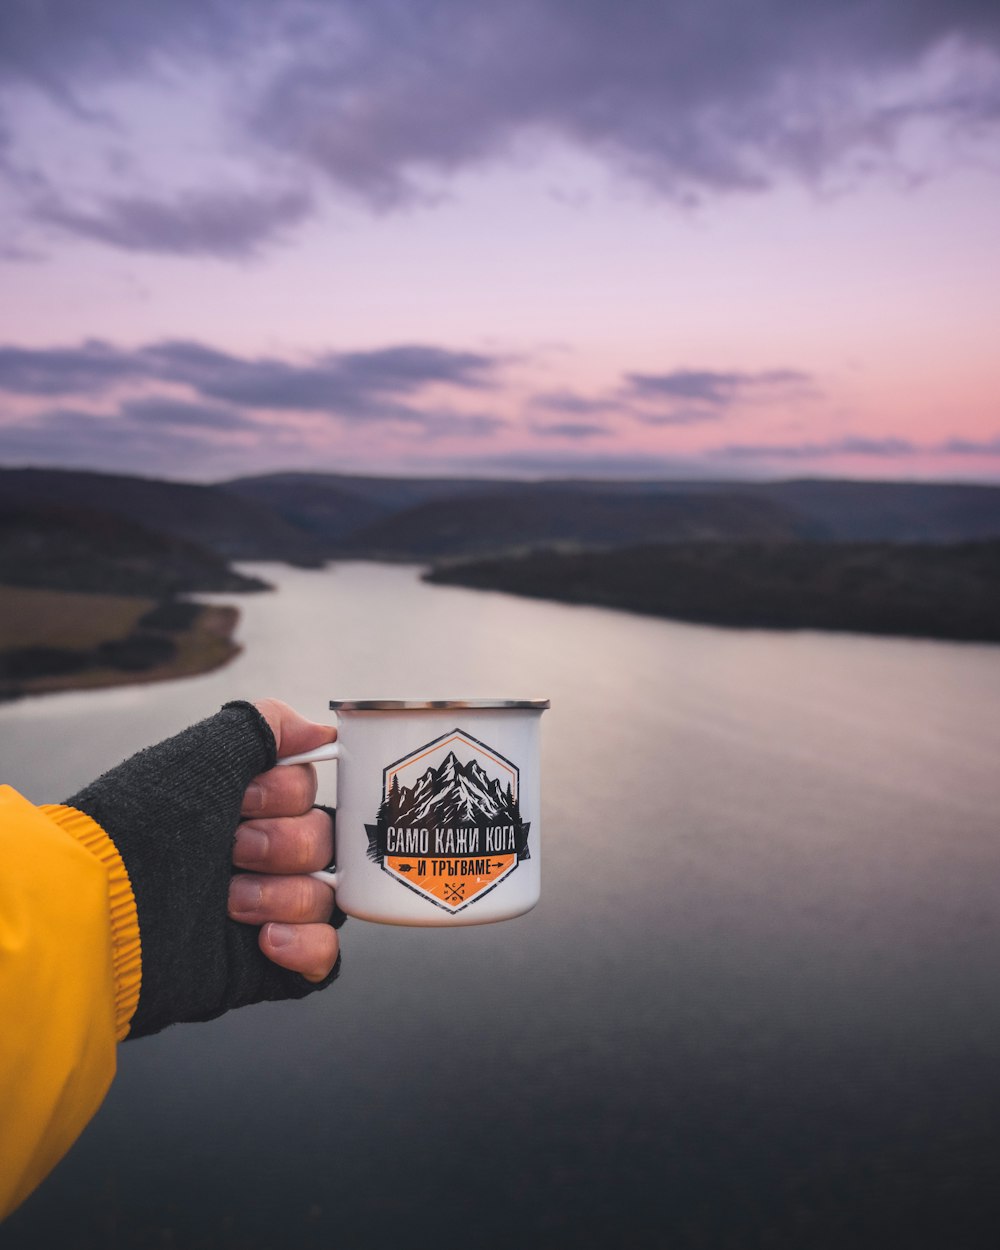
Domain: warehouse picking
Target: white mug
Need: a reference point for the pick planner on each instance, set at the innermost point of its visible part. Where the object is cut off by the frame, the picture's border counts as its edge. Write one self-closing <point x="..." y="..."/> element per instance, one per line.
<point x="438" y="809"/>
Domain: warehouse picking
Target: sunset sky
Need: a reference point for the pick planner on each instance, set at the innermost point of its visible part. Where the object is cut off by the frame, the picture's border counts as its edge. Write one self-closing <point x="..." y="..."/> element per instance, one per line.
<point x="602" y="237"/>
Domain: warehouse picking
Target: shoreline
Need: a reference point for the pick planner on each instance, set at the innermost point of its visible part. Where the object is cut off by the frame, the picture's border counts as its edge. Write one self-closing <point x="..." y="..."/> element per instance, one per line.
<point x="57" y="641"/>
<point x="945" y="594"/>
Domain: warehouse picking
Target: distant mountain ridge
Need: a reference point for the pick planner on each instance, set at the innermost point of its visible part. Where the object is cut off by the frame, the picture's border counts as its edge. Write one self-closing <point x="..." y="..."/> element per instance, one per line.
<point x="910" y="512"/>
<point x="424" y="519"/>
<point x="230" y="525"/>
<point x="83" y="549"/>
<point x="308" y="518"/>
<point x="517" y="520"/>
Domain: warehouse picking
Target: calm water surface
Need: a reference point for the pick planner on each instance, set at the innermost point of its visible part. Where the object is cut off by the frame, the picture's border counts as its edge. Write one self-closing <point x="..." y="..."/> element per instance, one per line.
<point x="759" y="1004"/>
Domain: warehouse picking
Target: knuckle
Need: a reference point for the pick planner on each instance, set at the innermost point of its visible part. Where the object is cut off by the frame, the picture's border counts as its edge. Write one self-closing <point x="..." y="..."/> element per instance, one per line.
<point x="303" y="901"/>
<point x="287" y="791"/>
<point x="316" y="847"/>
<point x="297" y="858"/>
<point x="301" y="789"/>
<point x="310" y="784"/>
<point x="308" y="903"/>
<point x="302" y="845"/>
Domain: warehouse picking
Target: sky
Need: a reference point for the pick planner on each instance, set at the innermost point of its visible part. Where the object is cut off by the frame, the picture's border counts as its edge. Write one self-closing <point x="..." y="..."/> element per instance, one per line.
<point x="685" y="238"/>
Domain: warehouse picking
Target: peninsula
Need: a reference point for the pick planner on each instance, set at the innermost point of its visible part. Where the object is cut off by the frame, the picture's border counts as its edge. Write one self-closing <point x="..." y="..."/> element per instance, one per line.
<point x="89" y="600"/>
<point x="902" y="589"/>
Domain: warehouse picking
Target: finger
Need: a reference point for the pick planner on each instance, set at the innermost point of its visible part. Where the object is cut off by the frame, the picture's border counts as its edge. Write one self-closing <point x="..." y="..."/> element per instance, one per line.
<point x="311" y="949"/>
<point x="292" y="732"/>
<point x="281" y="792"/>
<point x="256" y="899"/>
<point x="285" y="843"/>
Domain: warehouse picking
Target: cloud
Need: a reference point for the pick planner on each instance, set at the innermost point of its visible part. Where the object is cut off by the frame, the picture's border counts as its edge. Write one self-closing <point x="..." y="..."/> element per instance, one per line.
<point x="413" y="365"/>
<point x="571" y="403"/>
<point x="238" y="413"/>
<point x="690" y="97"/>
<point x="678" y="416"/>
<point x="972" y="447"/>
<point x="858" y="445"/>
<point x="577" y="430"/>
<point x="90" y="368"/>
<point x="713" y="388"/>
<point x="681" y="397"/>
<point x="230" y="225"/>
<point x="733" y="461"/>
<point x="444" y="424"/>
<point x="687" y="397"/>
<point x="20" y="255"/>
<point x="368" y="385"/>
<point x="364" y="384"/>
<point x="62" y="44"/>
<point x="388" y="101"/>
<point x="850" y="445"/>
<point x="5" y="149"/>
<point x="546" y="463"/>
<point x="161" y="413"/>
<point x="162" y="435"/>
<point x="82" y="439"/>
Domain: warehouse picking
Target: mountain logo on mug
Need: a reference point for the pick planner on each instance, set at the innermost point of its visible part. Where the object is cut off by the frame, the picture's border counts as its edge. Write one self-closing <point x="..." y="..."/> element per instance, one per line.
<point x="449" y="827"/>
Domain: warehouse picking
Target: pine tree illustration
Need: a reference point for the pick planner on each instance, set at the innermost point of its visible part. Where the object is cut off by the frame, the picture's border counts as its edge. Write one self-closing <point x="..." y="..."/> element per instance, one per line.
<point x="393" y="798"/>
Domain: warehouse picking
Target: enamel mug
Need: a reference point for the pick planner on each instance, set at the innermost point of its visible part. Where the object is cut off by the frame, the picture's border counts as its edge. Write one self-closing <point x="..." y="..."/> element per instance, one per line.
<point x="438" y="809"/>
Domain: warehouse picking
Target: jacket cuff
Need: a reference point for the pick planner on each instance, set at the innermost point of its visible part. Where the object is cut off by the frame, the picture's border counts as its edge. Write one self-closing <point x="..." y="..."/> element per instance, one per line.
<point x="126" y="946"/>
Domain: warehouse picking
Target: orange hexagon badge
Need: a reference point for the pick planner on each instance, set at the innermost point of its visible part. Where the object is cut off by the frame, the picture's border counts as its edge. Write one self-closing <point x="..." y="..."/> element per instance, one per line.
<point x="449" y="827"/>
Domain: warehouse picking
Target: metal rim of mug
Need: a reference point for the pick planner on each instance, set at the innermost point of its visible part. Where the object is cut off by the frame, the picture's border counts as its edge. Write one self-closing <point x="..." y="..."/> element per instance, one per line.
<point x="425" y="705"/>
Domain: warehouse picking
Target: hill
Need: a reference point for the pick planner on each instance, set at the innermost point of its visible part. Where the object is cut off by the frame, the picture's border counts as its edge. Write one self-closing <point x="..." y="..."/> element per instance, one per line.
<point x="431" y="518"/>
<point x="525" y="518"/>
<point x="915" y="590"/>
<point x="336" y="508"/>
<point x="901" y="512"/>
<point x="307" y="518"/>
<point x="232" y="526"/>
<point x="65" y="548"/>
<point x="88" y="599"/>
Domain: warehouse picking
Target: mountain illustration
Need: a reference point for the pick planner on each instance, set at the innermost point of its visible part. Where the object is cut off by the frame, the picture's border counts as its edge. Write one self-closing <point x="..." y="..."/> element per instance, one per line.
<point x="451" y="794"/>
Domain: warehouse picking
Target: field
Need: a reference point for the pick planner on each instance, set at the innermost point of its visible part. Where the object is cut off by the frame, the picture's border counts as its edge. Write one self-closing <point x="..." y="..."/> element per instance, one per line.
<point x="67" y="640"/>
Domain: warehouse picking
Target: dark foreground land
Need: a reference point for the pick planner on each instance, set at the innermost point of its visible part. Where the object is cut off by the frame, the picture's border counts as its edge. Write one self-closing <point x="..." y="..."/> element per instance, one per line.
<point x="69" y="640"/>
<point x="90" y="599"/>
<point x="948" y="592"/>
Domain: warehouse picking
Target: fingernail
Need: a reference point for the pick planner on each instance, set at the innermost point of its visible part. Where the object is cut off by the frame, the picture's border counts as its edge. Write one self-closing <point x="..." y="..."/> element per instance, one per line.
<point x="251" y="844"/>
<point x="253" y="799"/>
<point x="279" y="935"/>
<point x="244" y="894"/>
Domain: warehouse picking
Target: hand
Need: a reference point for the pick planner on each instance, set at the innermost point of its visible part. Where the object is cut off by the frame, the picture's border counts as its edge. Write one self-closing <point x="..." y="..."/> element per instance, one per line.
<point x="282" y="839"/>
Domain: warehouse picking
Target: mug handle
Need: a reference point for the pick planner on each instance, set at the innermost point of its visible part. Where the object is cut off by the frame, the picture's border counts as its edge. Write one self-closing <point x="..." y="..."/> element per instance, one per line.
<point x="328" y="751"/>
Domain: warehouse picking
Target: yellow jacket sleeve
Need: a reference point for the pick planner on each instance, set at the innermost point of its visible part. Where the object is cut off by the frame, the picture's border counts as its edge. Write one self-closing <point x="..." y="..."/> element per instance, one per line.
<point x="70" y="972"/>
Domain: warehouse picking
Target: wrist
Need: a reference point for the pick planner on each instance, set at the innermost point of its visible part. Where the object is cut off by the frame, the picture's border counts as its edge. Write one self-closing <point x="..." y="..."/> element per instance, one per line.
<point x="171" y="812"/>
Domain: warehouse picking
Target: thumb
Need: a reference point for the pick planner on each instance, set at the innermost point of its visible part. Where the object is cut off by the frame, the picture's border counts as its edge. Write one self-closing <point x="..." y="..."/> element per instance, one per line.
<point x="292" y="732"/>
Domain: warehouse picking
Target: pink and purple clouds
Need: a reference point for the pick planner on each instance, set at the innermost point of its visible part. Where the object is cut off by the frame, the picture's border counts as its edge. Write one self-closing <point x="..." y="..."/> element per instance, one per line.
<point x="534" y="238"/>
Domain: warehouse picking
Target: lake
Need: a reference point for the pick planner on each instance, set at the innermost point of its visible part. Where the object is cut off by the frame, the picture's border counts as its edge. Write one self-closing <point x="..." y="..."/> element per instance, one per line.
<point x="758" y="1005"/>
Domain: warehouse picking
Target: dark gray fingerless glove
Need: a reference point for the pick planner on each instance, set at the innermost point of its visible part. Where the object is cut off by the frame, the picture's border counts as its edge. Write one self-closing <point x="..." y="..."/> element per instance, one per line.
<point x="172" y="812"/>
